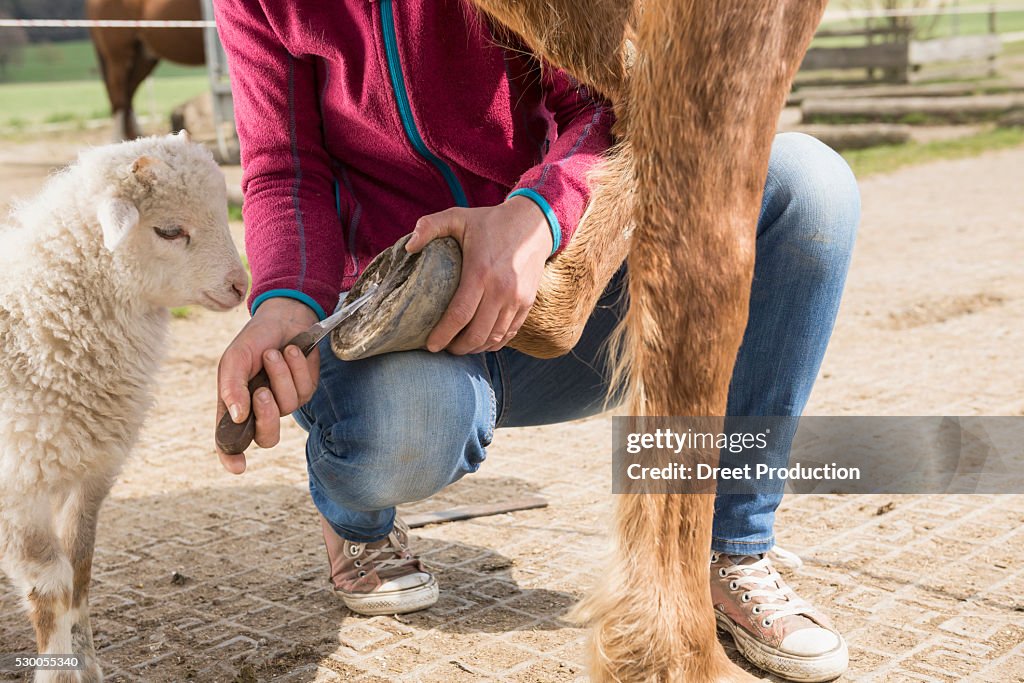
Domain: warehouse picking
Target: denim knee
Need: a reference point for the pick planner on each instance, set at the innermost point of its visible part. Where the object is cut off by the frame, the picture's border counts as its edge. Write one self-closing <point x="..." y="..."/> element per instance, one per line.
<point x="813" y="188"/>
<point x="397" y="429"/>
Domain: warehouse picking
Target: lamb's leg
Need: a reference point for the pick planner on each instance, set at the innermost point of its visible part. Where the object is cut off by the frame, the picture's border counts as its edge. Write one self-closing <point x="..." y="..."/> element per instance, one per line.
<point x="705" y="93"/>
<point x="78" y="536"/>
<point x="37" y="564"/>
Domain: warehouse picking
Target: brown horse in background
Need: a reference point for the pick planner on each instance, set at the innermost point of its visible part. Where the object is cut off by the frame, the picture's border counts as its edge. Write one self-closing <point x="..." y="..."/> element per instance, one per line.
<point x="128" y="55"/>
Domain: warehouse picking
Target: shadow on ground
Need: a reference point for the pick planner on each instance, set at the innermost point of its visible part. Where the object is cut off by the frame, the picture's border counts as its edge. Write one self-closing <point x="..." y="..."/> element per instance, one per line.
<point x="230" y="584"/>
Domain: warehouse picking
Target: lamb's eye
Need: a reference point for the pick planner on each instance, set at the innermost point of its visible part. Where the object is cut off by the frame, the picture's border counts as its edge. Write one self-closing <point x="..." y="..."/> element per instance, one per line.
<point x="171" y="233"/>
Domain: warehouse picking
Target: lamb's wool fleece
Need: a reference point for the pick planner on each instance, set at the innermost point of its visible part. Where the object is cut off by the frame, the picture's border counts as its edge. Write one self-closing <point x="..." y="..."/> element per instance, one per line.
<point x="80" y="327"/>
<point x="90" y="268"/>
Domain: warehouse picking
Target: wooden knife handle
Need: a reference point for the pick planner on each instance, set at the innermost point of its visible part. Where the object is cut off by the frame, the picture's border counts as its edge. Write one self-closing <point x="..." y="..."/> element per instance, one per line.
<point x="234" y="437"/>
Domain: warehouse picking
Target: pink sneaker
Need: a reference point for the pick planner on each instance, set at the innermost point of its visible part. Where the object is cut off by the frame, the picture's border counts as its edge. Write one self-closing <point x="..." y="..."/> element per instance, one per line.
<point x="772" y="627"/>
<point x="379" y="578"/>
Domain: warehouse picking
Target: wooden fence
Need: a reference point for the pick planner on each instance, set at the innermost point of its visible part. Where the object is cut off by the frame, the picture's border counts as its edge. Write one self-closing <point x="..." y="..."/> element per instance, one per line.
<point x="891" y="54"/>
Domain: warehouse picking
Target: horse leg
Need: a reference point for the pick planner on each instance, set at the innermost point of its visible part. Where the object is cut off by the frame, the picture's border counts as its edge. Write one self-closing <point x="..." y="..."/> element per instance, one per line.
<point x="142" y="66"/>
<point x="124" y="63"/>
<point x="576" y="277"/>
<point x="115" y="49"/>
<point x="704" y="94"/>
<point x="584" y="37"/>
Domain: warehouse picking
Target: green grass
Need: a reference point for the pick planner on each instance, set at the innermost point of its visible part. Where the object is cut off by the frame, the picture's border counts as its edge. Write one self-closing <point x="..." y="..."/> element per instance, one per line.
<point x="1012" y="49"/>
<point x="861" y="4"/>
<point x="942" y="27"/>
<point x="73" y="61"/>
<point x="61" y="83"/>
<point x="69" y="101"/>
<point x="885" y="158"/>
<point x="916" y="118"/>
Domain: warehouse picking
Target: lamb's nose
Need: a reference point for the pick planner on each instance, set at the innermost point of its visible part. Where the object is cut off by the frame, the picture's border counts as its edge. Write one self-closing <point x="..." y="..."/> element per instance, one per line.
<point x="239" y="282"/>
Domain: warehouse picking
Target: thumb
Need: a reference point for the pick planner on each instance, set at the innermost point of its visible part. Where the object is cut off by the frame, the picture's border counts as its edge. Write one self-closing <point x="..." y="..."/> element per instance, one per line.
<point x="447" y="223"/>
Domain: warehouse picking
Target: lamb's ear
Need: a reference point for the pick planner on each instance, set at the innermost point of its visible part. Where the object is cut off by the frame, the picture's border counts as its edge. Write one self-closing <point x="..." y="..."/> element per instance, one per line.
<point x="144" y="170"/>
<point x="117" y="217"/>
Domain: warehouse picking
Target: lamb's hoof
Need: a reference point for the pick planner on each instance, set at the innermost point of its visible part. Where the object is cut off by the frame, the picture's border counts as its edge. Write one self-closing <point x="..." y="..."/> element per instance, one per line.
<point x="413" y="291"/>
<point x="60" y="676"/>
<point x="92" y="673"/>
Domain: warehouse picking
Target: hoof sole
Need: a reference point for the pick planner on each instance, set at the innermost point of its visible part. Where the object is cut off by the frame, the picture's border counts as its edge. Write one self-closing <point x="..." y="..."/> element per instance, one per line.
<point x="413" y="292"/>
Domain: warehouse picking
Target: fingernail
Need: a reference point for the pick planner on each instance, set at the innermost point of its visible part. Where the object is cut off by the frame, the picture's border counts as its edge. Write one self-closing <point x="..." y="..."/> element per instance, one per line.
<point x="273" y="355"/>
<point x="235" y="411"/>
<point x="263" y="395"/>
<point x="293" y="351"/>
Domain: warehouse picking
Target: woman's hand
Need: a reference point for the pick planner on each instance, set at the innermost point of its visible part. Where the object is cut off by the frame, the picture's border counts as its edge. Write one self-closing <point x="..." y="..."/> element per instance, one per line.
<point x="293" y="377"/>
<point x="504" y="249"/>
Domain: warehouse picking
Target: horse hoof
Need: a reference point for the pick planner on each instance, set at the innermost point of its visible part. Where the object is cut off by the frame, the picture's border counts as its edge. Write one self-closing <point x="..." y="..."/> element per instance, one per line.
<point x="413" y="291"/>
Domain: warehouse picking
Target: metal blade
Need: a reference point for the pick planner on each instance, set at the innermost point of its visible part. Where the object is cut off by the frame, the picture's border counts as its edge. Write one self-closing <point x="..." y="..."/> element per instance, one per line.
<point x="324" y="327"/>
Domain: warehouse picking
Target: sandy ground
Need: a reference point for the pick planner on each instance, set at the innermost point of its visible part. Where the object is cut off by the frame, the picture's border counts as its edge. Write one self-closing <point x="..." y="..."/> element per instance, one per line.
<point x="925" y="588"/>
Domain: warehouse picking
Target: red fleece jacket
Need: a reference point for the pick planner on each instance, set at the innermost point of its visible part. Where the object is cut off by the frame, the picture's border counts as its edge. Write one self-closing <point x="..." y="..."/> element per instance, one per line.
<point x="358" y="117"/>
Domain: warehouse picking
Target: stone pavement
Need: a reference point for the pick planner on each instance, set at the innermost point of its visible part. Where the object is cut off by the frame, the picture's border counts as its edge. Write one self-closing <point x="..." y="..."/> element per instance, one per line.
<point x="925" y="588"/>
<point x="207" y="577"/>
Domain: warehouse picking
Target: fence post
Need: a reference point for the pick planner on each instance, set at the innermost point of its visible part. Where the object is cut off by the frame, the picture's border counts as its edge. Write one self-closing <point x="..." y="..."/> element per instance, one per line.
<point x="992" y="30"/>
<point x="220" y="87"/>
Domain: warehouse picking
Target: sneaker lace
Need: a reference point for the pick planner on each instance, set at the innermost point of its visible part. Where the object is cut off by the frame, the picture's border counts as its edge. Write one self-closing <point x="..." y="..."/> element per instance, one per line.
<point x="394" y="555"/>
<point x="761" y="580"/>
<point x="785" y="558"/>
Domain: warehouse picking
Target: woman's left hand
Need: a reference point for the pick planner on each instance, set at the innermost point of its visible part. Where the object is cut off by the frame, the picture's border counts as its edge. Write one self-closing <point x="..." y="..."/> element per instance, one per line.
<point x="504" y="249"/>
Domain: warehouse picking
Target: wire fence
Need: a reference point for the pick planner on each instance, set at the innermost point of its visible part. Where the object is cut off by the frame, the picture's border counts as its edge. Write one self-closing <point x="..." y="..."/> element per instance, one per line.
<point x="829" y="17"/>
<point x="104" y="23"/>
<point x="852" y="14"/>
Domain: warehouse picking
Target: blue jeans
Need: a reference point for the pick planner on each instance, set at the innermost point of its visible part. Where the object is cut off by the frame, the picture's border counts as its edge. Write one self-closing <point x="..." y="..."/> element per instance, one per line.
<point x="400" y="427"/>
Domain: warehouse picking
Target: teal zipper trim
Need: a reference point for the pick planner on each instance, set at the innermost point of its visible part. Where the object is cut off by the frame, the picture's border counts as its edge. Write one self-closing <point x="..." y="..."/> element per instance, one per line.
<point x="387" y="21"/>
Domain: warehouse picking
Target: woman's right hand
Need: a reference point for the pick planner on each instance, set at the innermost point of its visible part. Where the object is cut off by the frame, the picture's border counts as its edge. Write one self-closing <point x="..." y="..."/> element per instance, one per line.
<point x="293" y="377"/>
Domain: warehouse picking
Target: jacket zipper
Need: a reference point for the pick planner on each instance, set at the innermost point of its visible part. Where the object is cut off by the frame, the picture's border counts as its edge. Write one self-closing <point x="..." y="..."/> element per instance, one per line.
<point x="387" y="22"/>
<point x="351" y="228"/>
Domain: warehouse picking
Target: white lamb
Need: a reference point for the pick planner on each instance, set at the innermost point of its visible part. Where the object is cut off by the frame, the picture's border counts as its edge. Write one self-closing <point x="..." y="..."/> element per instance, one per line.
<point x="89" y="269"/>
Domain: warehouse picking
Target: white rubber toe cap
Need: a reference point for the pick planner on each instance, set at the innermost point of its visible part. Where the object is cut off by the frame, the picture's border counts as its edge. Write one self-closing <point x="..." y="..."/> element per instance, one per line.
<point x="406" y="582"/>
<point x="810" y="642"/>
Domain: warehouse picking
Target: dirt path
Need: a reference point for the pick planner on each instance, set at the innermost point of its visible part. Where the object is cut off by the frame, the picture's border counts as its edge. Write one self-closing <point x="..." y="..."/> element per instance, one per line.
<point x="925" y="588"/>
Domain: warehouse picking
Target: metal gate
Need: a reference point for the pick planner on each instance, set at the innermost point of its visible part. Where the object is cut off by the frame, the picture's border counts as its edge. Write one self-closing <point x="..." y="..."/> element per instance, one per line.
<point x="220" y="90"/>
